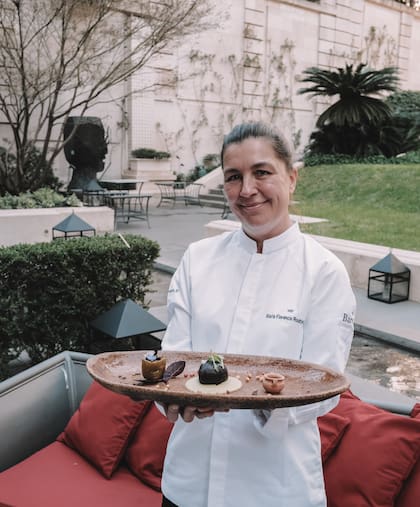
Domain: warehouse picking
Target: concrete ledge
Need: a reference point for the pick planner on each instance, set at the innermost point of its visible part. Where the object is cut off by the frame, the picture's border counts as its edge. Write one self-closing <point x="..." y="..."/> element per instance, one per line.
<point x="35" y="225"/>
<point x="357" y="257"/>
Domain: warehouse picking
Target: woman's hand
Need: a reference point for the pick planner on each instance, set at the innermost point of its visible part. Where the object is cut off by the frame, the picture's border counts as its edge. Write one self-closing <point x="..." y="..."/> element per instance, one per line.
<point x="188" y="413"/>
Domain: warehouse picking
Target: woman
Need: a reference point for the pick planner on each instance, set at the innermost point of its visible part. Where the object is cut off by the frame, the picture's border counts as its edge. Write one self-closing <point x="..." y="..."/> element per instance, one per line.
<point x="266" y="289"/>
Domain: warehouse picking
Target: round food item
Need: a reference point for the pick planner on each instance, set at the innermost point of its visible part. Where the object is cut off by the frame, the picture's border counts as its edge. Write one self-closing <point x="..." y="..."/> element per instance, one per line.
<point x="273" y="383"/>
<point x="153" y="366"/>
<point x="212" y="371"/>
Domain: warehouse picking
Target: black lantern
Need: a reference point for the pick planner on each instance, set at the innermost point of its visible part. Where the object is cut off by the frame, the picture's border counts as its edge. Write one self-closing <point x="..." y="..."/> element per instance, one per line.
<point x="72" y="227"/>
<point x="126" y="320"/>
<point x="389" y="280"/>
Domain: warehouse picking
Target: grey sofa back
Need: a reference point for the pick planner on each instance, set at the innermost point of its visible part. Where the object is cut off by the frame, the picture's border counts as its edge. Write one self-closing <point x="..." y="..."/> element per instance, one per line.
<point x="36" y="405"/>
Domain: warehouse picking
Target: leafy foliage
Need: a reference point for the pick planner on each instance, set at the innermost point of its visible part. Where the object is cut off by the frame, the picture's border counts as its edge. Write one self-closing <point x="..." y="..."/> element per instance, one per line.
<point x="354" y="87"/>
<point x="405" y="102"/>
<point x="36" y="172"/>
<point x="357" y="124"/>
<point x="49" y="292"/>
<point x="42" y="198"/>
<point x="314" y="159"/>
<point x="388" y="139"/>
<point x="149" y="153"/>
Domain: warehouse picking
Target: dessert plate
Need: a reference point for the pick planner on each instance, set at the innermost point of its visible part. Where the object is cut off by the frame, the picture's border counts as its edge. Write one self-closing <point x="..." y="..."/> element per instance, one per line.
<point x="304" y="383"/>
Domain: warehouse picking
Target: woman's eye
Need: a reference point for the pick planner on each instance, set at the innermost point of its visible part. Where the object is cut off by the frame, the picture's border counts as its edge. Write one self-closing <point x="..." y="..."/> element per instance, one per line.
<point x="232" y="177"/>
<point x="261" y="172"/>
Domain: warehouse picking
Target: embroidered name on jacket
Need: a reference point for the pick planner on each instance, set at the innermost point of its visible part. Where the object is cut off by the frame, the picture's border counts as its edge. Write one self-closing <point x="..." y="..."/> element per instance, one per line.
<point x="278" y="316"/>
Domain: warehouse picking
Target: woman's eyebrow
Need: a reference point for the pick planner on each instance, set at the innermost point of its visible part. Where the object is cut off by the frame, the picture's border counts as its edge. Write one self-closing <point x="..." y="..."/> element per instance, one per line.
<point x="230" y="170"/>
<point x="262" y="163"/>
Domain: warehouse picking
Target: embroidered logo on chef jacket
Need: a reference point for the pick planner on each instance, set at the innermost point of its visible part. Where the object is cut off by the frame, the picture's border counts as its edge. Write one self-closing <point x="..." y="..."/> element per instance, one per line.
<point x="280" y="316"/>
<point x="348" y="319"/>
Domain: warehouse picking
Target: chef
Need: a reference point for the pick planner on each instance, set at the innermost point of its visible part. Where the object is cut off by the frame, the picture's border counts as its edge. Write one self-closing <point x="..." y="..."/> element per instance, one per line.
<point x="266" y="289"/>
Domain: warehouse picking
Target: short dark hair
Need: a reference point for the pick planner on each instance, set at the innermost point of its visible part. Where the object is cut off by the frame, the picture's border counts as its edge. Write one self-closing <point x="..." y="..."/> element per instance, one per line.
<point x="258" y="129"/>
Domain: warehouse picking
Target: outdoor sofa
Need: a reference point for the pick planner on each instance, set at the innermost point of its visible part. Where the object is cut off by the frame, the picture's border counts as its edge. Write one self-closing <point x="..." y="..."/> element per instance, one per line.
<point x="67" y="441"/>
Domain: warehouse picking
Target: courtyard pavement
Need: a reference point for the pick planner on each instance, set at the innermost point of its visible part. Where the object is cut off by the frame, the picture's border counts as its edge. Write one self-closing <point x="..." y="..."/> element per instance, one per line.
<point x="175" y="227"/>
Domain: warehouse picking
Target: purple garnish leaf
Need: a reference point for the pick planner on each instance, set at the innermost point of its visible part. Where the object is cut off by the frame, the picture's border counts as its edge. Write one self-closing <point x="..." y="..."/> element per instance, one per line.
<point x="173" y="370"/>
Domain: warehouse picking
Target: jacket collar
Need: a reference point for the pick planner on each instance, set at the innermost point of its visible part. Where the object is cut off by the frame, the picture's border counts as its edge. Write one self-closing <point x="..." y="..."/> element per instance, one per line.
<point x="273" y="244"/>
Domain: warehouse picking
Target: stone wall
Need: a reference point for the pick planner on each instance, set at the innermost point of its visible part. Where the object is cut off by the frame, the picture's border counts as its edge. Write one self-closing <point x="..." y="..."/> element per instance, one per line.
<point x="35" y="225"/>
<point x="249" y="68"/>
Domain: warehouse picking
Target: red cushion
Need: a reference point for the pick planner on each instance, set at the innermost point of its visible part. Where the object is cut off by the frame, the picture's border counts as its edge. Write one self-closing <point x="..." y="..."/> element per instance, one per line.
<point x="100" y="429"/>
<point x="375" y="456"/>
<point x="415" y="412"/>
<point x="331" y="428"/>
<point x="58" y="476"/>
<point x="410" y="494"/>
<point x="146" y="453"/>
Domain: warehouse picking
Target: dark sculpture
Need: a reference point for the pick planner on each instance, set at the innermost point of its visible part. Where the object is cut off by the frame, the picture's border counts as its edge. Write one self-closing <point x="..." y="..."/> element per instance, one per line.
<point x="85" y="151"/>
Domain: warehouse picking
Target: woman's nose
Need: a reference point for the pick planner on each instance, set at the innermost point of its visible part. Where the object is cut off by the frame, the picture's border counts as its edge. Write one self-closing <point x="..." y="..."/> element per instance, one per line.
<point x="248" y="186"/>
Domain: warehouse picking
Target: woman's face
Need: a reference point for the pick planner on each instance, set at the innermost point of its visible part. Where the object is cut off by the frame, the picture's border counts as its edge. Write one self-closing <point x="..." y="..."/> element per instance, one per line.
<point x="258" y="187"/>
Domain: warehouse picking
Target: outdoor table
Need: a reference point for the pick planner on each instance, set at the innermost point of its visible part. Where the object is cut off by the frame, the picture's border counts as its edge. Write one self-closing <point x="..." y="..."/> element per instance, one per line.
<point x="129" y="206"/>
<point x="122" y="184"/>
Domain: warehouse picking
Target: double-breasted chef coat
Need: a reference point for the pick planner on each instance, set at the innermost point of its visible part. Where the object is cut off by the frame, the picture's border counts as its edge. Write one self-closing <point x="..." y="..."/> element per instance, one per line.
<point x="294" y="300"/>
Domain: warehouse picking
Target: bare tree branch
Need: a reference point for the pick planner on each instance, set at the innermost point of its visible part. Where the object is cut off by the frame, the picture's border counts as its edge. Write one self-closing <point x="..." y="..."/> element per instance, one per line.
<point x="60" y="56"/>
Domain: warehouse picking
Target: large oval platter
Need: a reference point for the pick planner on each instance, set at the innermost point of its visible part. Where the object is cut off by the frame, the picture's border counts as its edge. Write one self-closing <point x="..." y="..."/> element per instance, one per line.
<point x="304" y="382"/>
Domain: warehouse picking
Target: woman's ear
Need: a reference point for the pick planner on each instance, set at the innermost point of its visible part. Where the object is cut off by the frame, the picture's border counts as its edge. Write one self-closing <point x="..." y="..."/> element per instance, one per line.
<point x="293" y="175"/>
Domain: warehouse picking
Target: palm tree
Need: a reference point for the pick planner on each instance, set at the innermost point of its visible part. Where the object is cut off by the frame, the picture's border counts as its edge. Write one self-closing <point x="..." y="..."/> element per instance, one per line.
<point x="354" y="86"/>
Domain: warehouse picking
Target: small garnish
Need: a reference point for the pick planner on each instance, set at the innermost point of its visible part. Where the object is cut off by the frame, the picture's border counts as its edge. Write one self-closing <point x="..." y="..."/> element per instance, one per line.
<point x="217" y="360"/>
<point x="152" y="356"/>
<point x="173" y="370"/>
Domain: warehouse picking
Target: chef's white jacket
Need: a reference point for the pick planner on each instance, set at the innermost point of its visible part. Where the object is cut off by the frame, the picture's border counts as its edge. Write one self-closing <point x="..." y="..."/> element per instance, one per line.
<point x="293" y="301"/>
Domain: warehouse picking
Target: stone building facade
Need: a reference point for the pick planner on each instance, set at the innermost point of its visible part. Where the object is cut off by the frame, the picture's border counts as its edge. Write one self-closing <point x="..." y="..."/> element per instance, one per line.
<point x="250" y="66"/>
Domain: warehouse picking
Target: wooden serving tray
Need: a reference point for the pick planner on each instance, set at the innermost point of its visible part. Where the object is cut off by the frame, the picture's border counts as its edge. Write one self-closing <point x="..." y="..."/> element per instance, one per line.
<point x="305" y="382"/>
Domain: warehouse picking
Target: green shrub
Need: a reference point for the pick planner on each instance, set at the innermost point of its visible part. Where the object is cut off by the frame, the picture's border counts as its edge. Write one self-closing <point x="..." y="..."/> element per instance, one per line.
<point x="412" y="157"/>
<point x="149" y="153"/>
<point x="49" y="292"/>
<point x="35" y="173"/>
<point x="405" y="102"/>
<point x="41" y="198"/>
<point x="210" y="162"/>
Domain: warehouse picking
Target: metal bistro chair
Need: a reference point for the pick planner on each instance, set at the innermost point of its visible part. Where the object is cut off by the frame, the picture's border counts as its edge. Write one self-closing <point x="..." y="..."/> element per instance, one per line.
<point x="173" y="191"/>
<point x="94" y="197"/>
<point x="192" y="193"/>
<point x="129" y="206"/>
<point x="170" y="191"/>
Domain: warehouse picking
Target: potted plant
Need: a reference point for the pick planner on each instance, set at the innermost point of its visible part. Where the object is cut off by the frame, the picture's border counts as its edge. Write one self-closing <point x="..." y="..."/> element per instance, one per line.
<point x="150" y="153"/>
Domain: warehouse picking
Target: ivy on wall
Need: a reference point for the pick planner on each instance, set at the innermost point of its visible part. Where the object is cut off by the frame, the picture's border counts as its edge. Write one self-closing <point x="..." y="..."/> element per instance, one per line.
<point x="219" y="80"/>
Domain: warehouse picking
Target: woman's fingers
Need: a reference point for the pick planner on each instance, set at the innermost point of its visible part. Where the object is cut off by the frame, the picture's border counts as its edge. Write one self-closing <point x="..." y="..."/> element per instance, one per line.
<point x="189" y="413"/>
<point x="202" y="413"/>
<point x="172" y="412"/>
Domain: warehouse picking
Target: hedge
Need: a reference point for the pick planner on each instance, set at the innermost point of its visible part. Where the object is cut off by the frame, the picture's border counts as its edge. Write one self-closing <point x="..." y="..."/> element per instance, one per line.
<point x="49" y="292"/>
<point x="412" y="157"/>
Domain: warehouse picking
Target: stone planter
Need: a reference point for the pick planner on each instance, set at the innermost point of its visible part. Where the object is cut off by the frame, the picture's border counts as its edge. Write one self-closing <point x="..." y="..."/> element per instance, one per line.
<point x="35" y="225"/>
<point x="150" y="169"/>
